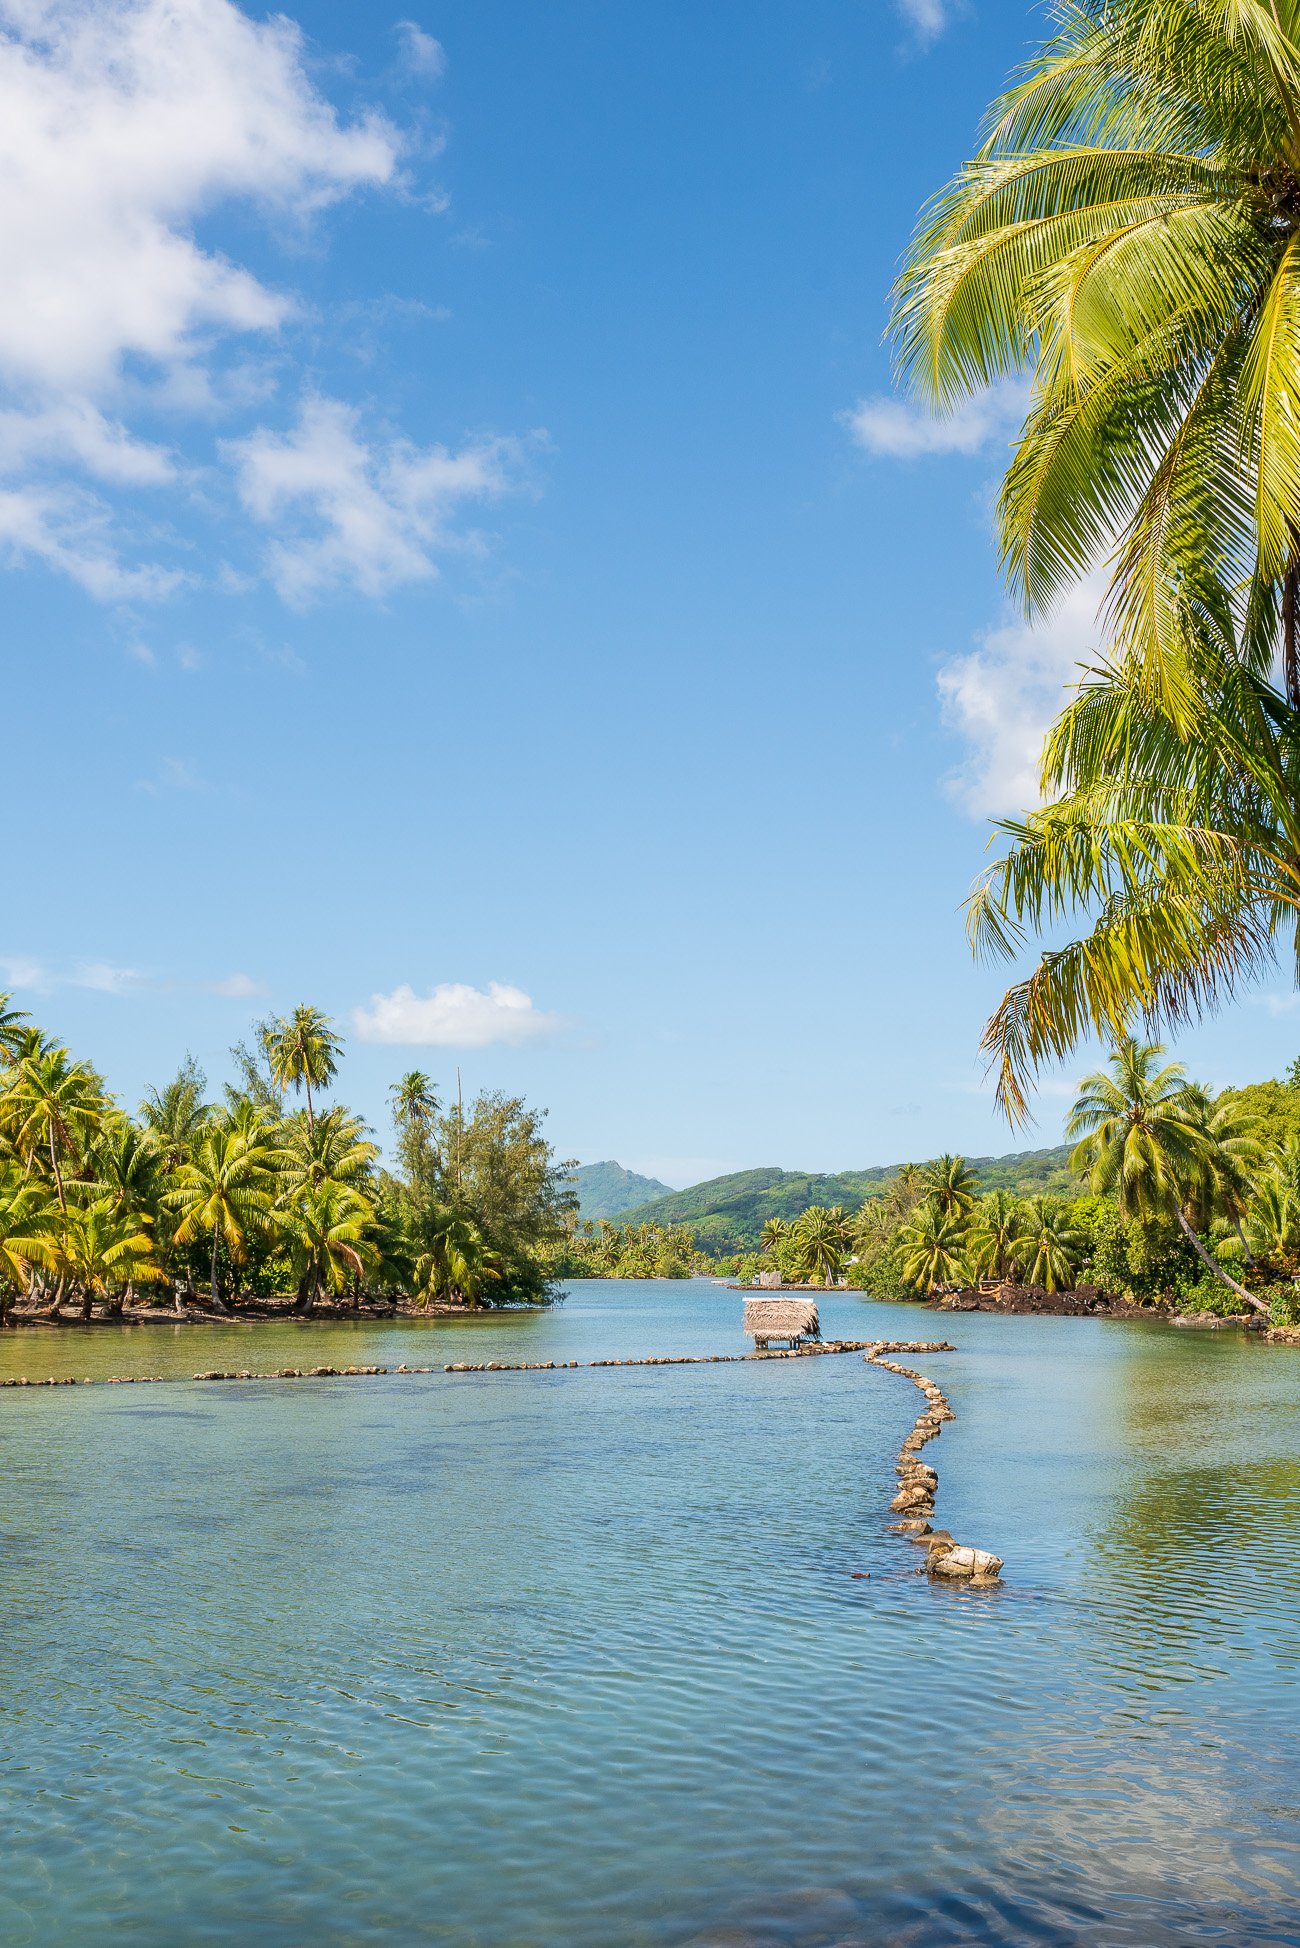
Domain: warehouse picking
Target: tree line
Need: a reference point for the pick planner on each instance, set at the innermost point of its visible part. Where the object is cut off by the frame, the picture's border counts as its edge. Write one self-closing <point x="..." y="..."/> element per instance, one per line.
<point x="254" y="1196"/>
<point x="1185" y="1197"/>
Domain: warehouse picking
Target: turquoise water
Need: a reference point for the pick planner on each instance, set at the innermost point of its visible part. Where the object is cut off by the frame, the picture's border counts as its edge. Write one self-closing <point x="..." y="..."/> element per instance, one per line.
<point x="580" y="1657"/>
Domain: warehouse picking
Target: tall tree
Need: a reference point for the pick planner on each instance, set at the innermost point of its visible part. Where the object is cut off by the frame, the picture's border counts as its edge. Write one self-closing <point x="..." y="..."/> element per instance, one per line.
<point x="933" y="1248"/>
<point x="1143" y="1140"/>
<point x="49" y="1108"/>
<point x="950" y="1182"/>
<point x="303" y="1050"/>
<point x="225" y="1192"/>
<point x="1130" y="231"/>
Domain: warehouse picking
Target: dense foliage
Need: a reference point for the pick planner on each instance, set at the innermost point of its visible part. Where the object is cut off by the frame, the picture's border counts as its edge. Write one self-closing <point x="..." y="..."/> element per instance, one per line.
<point x="254" y="1196"/>
<point x="1191" y="1198"/>
<point x="1128" y="235"/>
<point x="606" y="1250"/>
<point x="606" y="1190"/>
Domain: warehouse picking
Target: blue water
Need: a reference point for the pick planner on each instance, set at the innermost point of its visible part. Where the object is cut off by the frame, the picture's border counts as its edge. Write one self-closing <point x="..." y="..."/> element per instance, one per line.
<point x="581" y="1657"/>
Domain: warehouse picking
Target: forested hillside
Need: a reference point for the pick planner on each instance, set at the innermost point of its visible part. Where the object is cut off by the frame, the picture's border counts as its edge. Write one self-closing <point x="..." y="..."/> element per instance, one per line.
<point x="727" y="1214"/>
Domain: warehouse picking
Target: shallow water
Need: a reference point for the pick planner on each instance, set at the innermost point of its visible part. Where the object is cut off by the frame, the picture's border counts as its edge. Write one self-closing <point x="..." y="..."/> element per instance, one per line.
<point x="579" y="1657"/>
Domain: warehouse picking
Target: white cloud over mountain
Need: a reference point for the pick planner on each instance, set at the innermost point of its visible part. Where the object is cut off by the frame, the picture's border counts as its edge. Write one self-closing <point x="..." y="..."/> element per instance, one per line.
<point x="454" y="1015"/>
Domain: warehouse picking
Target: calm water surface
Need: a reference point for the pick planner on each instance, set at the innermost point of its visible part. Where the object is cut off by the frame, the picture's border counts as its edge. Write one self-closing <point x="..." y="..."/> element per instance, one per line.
<point x="580" y="1657"/>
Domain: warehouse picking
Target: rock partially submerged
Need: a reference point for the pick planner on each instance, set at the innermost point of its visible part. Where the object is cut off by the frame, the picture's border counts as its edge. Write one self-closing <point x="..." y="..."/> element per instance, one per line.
<point x="963" y="1564"/>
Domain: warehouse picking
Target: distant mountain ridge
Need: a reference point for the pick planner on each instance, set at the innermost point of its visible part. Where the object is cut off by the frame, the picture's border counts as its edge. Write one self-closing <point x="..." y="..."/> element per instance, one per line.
<point x="606" y="1190"/>
<point x="728" y="1213"/>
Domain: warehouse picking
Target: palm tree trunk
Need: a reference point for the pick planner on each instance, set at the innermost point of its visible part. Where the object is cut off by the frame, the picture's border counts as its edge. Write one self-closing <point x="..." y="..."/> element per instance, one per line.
<point x="1291" y="629"/>
<point x="54" y="1164"/>
<point x="216" y="1296"/>
<point x="1212" y="1264"/>
<point x="311" y="1120"/>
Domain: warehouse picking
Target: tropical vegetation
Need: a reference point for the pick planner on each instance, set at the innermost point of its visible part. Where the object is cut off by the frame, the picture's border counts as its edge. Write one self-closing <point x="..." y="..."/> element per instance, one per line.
<point x="231" y="1202"/>
<point x="1128" y="237"/>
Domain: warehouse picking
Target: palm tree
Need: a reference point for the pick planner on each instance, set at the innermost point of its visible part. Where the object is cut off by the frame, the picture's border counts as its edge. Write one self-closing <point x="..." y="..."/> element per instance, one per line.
<point x="49" y="1107"/>
<point x="995" y="1224"/>
<point x="1143" y="1139"/>
<point x="459" y="1265"/>
<point x="414" y="1103"/>
<point x="933" y="1248"/>
<point x="1130" y="231"/>
<point x="951" y="1183"/>
<point x="820" y="1236"/>
<point x="328" y="1228"/>
<point x="29" y="1224"/>
<point x="775" y="1231"/>
<point x="225" y="1191"/>
<point x="175" y="1115"/>
<point x="334" y="1149"/>
<point x="303" y="1050"/>
<point x="11" y="1030"/>
<point x="1047" y="1247"/>
<point x="104" y="1249"/>
<point x="1183" y="852"/>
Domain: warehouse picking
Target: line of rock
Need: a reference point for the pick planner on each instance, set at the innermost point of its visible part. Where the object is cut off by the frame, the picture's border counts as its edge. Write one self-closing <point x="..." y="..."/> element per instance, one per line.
<point x="919" y="1483"/>
<point x="455" y="1366"/>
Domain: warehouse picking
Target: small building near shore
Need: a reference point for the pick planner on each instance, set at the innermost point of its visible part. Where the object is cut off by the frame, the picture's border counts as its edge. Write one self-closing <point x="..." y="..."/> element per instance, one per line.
<point x="790" y="1319"/>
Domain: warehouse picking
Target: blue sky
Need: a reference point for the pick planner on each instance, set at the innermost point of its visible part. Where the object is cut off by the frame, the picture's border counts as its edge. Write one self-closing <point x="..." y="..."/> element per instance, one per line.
<point x="465" y="568"/>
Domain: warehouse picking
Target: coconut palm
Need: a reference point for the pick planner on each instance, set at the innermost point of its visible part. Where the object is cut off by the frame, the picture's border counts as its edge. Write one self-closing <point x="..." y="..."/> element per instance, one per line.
<point x="932" y="1248"/>
<point x="11" y="1029"/>
<point x="226" y="1192"/>
<point x="335" y="1148"/>
<point x="327" y="1230"/>
<point x="1182" y="853"/>
<point x="459" y="1265"/>
<point x="951" y="1183"/>
<point x="175" y="1114"/>
<point x="1143" y="1139"/>
<point x="820" y="1237"/>
<point x="1130" y="231"/>
<point x="50" y="1106"/>
<point x="303" y="1050"/>
<point x="29" y="1232"/>
<point x="104" y="1249"/>
<point x="996" y="1222"/>
<point x="1047" y="1247"/>
<point x="414" y="1102"/>
<point x="775" y="1232"/>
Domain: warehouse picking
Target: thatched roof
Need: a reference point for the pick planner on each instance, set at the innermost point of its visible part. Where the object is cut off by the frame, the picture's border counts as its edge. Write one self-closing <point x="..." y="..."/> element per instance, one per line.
<point x="781" y="1318"/>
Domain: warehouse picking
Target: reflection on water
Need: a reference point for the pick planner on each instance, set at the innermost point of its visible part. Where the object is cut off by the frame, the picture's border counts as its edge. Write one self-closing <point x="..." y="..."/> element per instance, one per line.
<point x="580" y="1657"/>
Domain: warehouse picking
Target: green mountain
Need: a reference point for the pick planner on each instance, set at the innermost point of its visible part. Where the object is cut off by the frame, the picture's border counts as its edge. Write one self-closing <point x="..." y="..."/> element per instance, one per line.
<point x="728" y="1213"/>
<point x="606" y="1190"/>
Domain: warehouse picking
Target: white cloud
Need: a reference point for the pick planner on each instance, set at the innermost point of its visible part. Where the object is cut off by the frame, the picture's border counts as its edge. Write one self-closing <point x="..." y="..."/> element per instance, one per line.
<point x="1276" y="1005"/>
<point x="420" y="52"/>
<point x="124" y="124"/>
<point x="237" y="987"/>
<point x="18" y="971"/>
<point x="103" y="976"/>
<point x="72" y="531"/>
<point x="121" y="122"/>
<point x="889" y="427"/>
<point x="926" y="18"/>
<point x="350" y="513"/>
<point x="1002" y="697"/>
<point x="454" y="1015"/>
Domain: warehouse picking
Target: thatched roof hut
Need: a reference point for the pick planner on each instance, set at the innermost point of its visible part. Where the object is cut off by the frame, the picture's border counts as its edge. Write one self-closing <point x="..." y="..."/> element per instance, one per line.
<point x="787" y="1318"/>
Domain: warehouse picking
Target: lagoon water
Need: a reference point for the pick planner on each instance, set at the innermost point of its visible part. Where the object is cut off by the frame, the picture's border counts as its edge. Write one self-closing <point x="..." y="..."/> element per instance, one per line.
<point x="581" y="1657"/>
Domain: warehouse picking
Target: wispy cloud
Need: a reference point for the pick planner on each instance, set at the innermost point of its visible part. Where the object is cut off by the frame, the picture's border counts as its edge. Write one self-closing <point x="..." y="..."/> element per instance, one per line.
<point x="454" y="1015"/>
<point x="891" y="429"/>
<point x="348" y="512"/>
<point x="420" y="53"/>
<point x="1002" y="697"/>
<point x="23" y="971"/>
<point x="1277" y="1005"/>
<point x="926" y="18"/>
